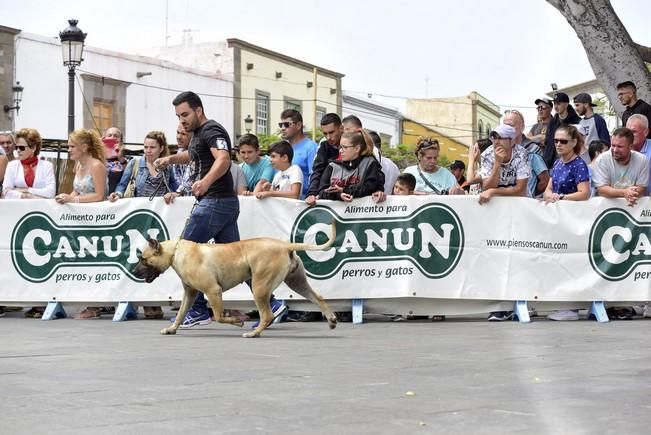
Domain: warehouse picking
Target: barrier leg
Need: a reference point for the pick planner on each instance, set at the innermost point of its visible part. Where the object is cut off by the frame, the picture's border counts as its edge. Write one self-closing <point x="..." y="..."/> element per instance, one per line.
<point x="358" y="311"/>
<point x="598" y="312"/>
<point x="521" y="312"/>
<point x="54" y="310"/>
<point x="125" y="311"/>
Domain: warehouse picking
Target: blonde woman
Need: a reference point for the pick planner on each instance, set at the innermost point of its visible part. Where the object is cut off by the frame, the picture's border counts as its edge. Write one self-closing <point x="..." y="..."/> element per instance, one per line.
<point x="85" y="148"/>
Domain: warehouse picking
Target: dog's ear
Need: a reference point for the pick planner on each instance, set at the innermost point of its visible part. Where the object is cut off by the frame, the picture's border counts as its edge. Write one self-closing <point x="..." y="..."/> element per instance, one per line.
<point x="153" y="244"/>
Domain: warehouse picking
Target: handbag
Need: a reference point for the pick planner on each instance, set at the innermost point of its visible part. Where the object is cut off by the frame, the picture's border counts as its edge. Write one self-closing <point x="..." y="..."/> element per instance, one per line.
<point x="130" y="191"/>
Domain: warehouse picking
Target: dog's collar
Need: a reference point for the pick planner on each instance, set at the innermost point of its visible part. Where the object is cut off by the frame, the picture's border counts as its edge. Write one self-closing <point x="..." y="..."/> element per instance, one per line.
<point x="174" y="251"/>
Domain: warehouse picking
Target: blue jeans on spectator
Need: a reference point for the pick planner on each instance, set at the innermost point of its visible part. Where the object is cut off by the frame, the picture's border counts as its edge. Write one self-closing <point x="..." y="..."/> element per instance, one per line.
<point x="212" y="218"/>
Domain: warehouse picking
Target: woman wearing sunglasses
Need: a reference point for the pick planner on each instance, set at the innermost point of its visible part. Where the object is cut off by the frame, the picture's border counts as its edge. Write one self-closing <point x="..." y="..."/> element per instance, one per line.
<point x="28" y="176"/>
<point x="570" y="181"/>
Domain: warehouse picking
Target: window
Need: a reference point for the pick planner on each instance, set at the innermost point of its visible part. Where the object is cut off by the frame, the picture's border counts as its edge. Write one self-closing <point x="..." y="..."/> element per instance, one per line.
<point x="291" y="103"/>
<point x="488" y="129"/>
<point x="320" y="113"/>
<point x="261" y="113"/>
<point x="481" y="129"/>
<point x="102" y="114"/>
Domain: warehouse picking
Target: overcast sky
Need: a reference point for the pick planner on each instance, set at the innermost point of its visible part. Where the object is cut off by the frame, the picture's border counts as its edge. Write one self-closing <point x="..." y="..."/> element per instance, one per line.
<point x="507" y="50"/>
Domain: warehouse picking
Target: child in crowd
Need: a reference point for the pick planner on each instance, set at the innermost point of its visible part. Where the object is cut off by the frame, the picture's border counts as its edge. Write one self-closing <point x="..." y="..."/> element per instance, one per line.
<point x="356" y="175"/>
<point x="255" y="167"/>
<point x="405" y="185"/>
<point x="288" y="181"/>
<point x="595" y="148"/>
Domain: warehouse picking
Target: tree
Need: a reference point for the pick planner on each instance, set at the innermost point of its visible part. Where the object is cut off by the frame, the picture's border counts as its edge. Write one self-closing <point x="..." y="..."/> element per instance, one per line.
<point x="613" y="55"/>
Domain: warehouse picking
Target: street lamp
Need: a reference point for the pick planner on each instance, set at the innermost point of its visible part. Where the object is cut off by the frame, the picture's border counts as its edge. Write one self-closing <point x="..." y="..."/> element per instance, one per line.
<point x="248" y="123"/>
<point x="18" y="97"/>
<point x="72" y="46"/>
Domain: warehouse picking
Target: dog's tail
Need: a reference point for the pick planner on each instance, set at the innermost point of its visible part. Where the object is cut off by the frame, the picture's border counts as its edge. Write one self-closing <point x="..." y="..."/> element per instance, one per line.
<point x="311" y="247"/>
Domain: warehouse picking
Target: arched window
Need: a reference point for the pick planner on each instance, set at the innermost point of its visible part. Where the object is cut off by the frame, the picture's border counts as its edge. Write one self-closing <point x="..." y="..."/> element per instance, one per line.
<point x="481" y="129"/>
<point x="488" y="129"/>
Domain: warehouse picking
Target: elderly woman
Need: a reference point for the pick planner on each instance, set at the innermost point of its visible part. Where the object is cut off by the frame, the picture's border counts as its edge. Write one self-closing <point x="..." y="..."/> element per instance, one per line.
<point x="430" y="177"/>
<point x="28" y="176"/>
<point x="149" y="182"/>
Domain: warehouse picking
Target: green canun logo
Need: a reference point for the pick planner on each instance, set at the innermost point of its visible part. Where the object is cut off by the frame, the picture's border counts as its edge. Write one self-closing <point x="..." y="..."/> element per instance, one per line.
<point x="40" y="247"/>
<point x="618" y="244"/>
<point x="431" y="238"/>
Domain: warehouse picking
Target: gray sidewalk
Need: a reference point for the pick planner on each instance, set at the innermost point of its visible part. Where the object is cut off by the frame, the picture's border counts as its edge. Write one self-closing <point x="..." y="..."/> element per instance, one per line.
<point x="461" y="376"/>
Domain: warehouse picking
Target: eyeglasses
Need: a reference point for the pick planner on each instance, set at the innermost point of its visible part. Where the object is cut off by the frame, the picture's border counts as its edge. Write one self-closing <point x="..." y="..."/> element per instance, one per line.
<point x="285" y="124"/>
<point x="347" y="146"/>
<point x="427" y="144"/>
<point x="542" y="107"/>
<point x="563" y="141"/>
<point x="7" y="142"/>
<point x="22" y="147"/>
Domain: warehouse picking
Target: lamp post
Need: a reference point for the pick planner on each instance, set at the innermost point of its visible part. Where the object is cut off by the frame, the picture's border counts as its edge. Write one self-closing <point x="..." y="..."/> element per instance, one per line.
<point x="72" y="46"/>
<point x="248" y="123"/>
<point x="18" y="97"/>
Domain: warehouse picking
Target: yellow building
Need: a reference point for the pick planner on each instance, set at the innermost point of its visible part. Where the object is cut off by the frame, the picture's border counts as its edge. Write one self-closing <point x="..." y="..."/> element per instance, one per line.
<point x="466" y="118"/>
<point x="452" y="149"/>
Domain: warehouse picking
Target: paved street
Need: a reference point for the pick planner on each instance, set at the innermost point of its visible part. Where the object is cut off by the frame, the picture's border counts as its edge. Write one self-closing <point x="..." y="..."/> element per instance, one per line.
<point x="458" y="376"/>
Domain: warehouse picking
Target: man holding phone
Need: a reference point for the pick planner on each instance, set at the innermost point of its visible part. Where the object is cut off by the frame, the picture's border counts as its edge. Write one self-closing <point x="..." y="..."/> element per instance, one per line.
<point x="115" y="160"/>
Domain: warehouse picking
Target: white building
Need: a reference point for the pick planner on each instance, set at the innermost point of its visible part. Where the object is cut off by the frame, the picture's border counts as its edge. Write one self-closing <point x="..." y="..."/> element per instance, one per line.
<point x="264" y="82"/>
<point x="134" y="93"/>
<point x="386" y="121"/>
<point x="599" y="97"/>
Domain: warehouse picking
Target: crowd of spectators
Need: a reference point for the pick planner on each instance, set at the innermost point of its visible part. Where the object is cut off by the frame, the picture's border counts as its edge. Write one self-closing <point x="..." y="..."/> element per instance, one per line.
<point x="568" y="155"/>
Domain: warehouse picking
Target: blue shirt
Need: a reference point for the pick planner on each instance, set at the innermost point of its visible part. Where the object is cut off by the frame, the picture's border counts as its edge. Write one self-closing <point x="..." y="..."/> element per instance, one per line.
<point x="257" y="171"/>
<point x="567" y="176"/>
<point x="646" y="150"/>
<point x="538" y="166"/>
<point x="304" y="153"/>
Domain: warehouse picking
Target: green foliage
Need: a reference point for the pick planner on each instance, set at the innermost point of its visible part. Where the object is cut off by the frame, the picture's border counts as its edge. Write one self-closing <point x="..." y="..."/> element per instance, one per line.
<point x="265" y="140"/>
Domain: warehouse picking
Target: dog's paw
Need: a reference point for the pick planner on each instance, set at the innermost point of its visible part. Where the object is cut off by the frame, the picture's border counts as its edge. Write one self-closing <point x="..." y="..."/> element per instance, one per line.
<point x="332" y="325"/>
<point x="251" y="334"/>
<point x="168" y="331"/>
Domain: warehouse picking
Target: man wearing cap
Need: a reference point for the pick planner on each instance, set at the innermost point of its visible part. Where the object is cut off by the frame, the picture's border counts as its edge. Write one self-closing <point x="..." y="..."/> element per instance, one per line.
<point x="504" y="172"/>
<point x="639" y="125"/>
<point x="504" y="167"/>
<point x="565" y="115"/>
<point x="458" y="168"/>
<point x="593" y="126"/>
<point x="538" y="131"/>
<point x="627" y="95"/>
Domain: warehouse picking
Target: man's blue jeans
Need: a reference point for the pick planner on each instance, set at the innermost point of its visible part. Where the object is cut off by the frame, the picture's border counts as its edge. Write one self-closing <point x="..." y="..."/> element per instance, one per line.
<point x="216" y="219"/>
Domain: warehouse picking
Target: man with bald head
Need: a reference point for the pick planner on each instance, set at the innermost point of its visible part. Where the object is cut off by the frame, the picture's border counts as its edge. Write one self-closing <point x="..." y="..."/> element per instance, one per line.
<point x="639" y="125"/>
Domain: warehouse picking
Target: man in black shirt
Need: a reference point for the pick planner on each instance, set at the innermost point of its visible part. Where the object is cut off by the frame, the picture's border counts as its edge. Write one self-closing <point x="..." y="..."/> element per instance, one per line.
<point x="565" y="115"/>
<point x="214" y="216"/>
<point x="327" y="152"/>
<point x="627" y="95"/>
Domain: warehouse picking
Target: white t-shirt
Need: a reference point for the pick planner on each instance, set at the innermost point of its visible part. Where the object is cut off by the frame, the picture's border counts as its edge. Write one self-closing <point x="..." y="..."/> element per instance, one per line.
<point x="510" y="172"/>
<point x="391" y="172"/>
<point x="607" y="172"/>
<point x="283" y="180"/>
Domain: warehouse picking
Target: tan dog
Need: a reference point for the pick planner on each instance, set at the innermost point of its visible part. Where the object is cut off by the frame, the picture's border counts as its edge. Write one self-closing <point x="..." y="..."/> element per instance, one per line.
<point x="214" y="268"/>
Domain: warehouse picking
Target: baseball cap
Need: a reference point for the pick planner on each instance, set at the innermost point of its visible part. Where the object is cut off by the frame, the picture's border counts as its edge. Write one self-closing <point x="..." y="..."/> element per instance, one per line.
<point x="457" y="164"/>
<point x="503" y="131"/>
<point x="561" y="97"/>
<point x="584" y="98"/>
<point x="547" y="101"/>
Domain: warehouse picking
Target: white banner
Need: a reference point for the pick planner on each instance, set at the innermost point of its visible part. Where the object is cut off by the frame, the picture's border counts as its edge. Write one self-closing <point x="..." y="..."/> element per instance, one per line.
<point x="408" y="247"/>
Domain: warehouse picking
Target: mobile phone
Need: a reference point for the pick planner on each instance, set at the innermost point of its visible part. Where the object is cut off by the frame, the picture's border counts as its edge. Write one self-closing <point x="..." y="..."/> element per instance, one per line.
<point x="110" y="142"/>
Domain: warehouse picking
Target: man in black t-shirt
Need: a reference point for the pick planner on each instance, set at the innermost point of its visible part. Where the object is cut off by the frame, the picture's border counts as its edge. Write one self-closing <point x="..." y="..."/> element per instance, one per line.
<point x="627" y="95"/>
<point x="214" y="216"/>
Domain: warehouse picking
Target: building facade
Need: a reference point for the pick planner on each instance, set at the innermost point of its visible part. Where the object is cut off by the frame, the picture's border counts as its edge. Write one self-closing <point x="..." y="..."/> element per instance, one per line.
<point x="7" y="76"/>
<point x="451" y="148"/>
<point x="264" y="82"/>
<point x="464" y="119"/>
<point x="386" y="121"/>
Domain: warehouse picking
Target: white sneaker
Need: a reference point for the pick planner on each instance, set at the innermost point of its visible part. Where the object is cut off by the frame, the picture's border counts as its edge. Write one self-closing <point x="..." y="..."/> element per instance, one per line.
<point x="564" y="315"/>
<point x="646" y="312"/>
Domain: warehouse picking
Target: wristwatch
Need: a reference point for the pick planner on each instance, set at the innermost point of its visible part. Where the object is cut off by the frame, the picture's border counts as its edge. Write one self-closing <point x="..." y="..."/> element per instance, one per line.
<point x="561" y="196"/>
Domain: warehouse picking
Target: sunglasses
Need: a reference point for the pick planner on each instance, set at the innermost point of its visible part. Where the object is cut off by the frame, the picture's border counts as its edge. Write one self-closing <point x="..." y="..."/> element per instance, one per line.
<point x="285" y="124"/>
<point x="563" y="141"/>
<point x="542" y="108"/>
<point x="22" y="147"/>
<point x="427" y="144"/>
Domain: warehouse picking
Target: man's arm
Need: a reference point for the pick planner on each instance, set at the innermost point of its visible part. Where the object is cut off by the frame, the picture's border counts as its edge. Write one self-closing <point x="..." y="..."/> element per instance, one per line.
<point x="520" y="189"/>
<point x="219" y="167"/>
